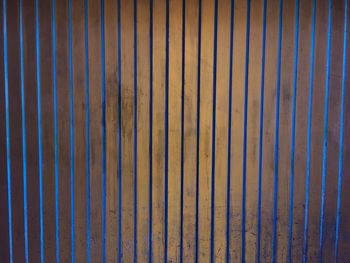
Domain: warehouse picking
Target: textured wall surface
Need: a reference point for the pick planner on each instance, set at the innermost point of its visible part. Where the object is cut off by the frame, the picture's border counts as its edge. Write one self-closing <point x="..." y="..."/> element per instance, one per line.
<point x="198" y="108"/>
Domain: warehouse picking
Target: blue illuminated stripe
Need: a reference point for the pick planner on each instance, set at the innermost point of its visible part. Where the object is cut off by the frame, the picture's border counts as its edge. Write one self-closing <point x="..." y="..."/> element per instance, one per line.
<point x="103" y="123"/>
<point x="54" y="58"/>
<point x="41" y="194"/>
<point x="135" y="131"/>
<point x="8" y="158"/>
<point x="308" y="149"/>
<point x="150" y="234"/>
<point x="24" y="141"/>
<point x="261" y="129"/>
<point x="212" y="210"/>
<point x="87" y="124"/>
<point x="166" y="117"/>
<point x="245" y="128"/>
<point x="292" y="145"/>
<point x="325" y="127"/>
<point x="276" y="150"/>
<point x="341" y="131"/>
<point x="198" y="126"/>
<point x="119" y="139"/>
<point x="228" y="191"/>
<point x="182" y="129"/>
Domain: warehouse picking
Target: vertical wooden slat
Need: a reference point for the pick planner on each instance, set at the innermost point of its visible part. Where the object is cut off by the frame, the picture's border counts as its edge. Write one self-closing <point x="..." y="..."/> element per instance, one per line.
<point x="229" y="139"/>
<point x="333" y="131"/>
<point x="237" y="128"/>
<point x="158" y="128"/>
<point x="344" y="254"/>
<point x="6" y="142"/>
<point x="341" y="131"/>
<point x="143" y="74"/>
<point x="55" y="125"/>
<point x="62" y="70"/>
<point x="301" y="125"/>
<point x="198" y="126"/>
<point x="344" y="224"/>
<point x="4" y="241"/>
<point x="213" y="136"/>
<point x="325" y="125"/>
<point x="190" y="113"/>
<point x="293" y="129"/>
<point x="111" y="133"/>
<point x="143" y="130"/>
<point x="31" y="133"/>
<point x="87" y="133"/>
<point x="245" y="131"/>
<point x="205" y="143"/>
<point x="223" y="56"/>
<point x="95" y="128"/>
<point x="24" y="134"/>
<point x="276" y="152"/>
<point x="15" y="137"/>
<point x="269" y="130"/>
<point x="47" y="128"/>
<point x="253" y="128"/>
<point x="174" y="133"/>
<point x="127" y="139"/>
<point x="71" y="130"/>
<point x="288" y="42"/>
<point x="80" y="130"/>
<point x="317" y="129"/>
<point x="119" y="137"/>
<point x="103" y="138"/>
<point x="309" y="133"/>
